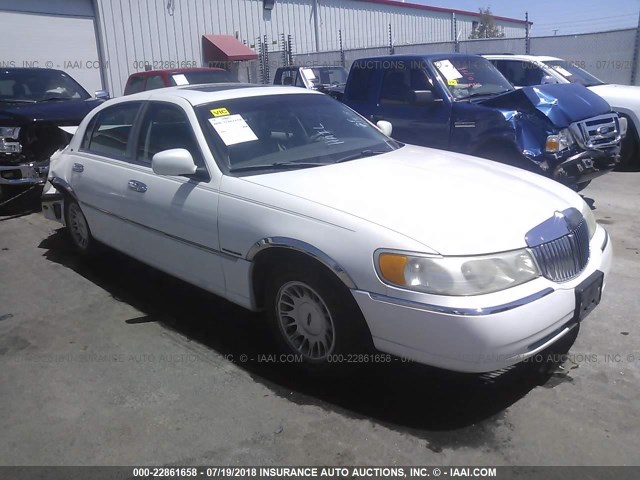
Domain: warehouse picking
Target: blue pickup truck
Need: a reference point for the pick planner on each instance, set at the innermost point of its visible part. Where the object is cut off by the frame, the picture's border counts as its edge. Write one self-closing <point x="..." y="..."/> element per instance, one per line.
<point x="34" y="103"/>
<point x="463" y="103"/>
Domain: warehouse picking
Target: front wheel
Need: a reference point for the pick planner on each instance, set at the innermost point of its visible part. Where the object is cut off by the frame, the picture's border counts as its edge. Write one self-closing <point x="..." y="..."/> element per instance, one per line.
<point x="630" y="151"/>
<point x="315" y="318"/>
<point x="78" y="228"/>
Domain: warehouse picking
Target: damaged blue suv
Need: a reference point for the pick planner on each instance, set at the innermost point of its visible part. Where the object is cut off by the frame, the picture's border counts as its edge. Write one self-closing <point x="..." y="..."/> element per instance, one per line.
<point x="463" y="103"/>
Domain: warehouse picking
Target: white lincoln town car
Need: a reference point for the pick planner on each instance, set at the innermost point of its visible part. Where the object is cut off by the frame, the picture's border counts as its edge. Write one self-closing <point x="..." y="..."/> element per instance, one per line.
<point x="284" y="200"/>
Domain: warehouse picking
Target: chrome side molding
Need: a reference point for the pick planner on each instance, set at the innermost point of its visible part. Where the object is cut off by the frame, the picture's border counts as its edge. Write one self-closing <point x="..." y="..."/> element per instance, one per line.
<point x="303" y="247"/>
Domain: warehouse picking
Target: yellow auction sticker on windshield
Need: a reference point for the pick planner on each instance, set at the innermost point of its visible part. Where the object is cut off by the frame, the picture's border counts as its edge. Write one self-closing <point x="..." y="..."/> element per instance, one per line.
<point x="452" y="82"/>
<point x="219" y="112"/>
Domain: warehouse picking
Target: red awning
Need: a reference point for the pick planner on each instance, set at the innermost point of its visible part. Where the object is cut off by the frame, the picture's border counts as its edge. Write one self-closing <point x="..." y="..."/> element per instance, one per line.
<point x="225" y="48"/>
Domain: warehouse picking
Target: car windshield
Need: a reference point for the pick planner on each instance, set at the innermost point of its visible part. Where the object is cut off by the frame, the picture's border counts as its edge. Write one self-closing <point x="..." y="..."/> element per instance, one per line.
<point x="329" y="75"/>
<point x="573" y="73"/>
<point x="34" y="85"/>
<point x="288" y="131"/>
<point x="468" y="77"/>
<point x="197" y="77"/>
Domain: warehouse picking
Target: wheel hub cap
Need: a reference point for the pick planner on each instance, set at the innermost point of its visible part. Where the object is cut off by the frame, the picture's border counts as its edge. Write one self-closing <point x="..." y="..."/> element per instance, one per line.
<point x="305" y="321"/>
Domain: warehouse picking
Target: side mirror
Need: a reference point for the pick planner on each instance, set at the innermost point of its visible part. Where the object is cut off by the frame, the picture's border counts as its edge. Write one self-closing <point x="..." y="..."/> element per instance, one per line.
<point x="548" y="80"/>
<point x="423" y="97"/>
<point x="385" y="127"/>
<point x="176" y="161"/>
<point x="102" y="95"/>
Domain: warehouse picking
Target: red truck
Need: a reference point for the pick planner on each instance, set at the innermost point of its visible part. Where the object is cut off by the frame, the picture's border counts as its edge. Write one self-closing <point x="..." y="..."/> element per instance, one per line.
<point x="152" y="79"/>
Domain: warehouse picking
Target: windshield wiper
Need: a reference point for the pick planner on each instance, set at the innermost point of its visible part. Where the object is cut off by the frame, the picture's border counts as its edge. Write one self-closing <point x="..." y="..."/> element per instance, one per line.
<point x="53" y="99"/>
<point x="484" y="94"/>
<point x="362" y="154"/>
<point x="277" y="166"/>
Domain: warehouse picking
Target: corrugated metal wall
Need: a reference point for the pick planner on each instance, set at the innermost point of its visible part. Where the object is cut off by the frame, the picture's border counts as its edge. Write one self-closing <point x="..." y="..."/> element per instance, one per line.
<point x="166" y="33"/>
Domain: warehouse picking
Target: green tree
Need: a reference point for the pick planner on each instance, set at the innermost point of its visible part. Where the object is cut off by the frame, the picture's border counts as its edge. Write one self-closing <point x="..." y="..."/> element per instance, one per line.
<point x="486" y="27"/>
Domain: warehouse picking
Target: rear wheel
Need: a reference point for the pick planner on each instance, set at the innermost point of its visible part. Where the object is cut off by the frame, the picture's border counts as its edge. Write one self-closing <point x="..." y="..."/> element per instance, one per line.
<point x="314" y="318"/>
<point x="78" y="228"/>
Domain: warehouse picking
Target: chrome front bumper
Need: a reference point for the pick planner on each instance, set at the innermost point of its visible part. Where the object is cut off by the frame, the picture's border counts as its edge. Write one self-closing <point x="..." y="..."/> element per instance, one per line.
<point x="24" y="174"/>
<point x="501" y="333"/>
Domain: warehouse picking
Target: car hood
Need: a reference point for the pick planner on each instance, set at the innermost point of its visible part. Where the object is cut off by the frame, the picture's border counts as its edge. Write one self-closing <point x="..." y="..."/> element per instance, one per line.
<point x="59" y="112"/>
<point x="454" y="204"/>
<point x="619" y="96"/>
<point x="563" y="104"/>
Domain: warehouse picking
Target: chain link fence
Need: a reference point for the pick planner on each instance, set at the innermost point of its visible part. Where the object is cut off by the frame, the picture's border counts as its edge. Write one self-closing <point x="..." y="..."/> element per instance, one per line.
<point x="607" y="55"/>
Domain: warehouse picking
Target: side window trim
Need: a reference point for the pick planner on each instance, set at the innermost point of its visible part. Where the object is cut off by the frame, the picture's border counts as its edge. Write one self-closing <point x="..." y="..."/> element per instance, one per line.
<point x="135" y="131"/>
<point x="88" y="133"/>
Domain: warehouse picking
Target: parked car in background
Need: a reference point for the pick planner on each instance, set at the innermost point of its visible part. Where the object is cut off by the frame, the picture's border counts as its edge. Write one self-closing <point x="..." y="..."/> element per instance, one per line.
<point x="34" y="103"/>
<point x="284" y="200"/>
<point x="152" y="79"/>
<point x="327" y="79"/>
<point x="463" y="103"/>
<point x="528" y="70"/>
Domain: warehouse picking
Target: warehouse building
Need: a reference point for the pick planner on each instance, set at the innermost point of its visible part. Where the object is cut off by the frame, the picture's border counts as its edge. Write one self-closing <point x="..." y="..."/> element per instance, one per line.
<point x="100" y="42"/>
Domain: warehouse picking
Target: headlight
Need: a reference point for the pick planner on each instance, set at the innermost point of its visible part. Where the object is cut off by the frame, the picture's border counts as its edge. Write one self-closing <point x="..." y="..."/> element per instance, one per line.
<point x="559" y="142"/>
<point x="587" y="213"/>
<point x="10" y="132"/>
<point x="457" y="276"/>
<point x="8" y="140"/>
<point x="624" y="125"/>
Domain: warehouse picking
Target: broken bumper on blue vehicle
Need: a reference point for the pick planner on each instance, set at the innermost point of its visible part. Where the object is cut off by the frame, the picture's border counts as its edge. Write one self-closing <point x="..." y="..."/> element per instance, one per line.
<point x="585" y="166"/>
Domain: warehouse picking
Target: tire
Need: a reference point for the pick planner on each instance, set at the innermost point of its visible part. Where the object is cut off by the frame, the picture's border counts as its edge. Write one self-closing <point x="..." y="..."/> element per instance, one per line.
<point x="630" y="151"/>
<point x="313" y="316"/>
<point x="78" y="228"/>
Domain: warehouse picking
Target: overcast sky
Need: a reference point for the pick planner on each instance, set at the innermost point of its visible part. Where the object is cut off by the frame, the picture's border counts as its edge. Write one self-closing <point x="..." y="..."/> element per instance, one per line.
<point x="565" y="16"/>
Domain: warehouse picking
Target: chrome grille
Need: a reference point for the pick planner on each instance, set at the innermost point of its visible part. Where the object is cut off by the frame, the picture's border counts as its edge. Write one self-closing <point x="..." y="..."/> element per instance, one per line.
<point x="598" y="132"/>
<point x="564" y="258"/>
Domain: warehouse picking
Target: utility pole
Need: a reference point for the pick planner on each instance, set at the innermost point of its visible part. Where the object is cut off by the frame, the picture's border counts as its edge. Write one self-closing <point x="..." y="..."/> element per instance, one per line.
<point x="527" y="40"/>
<point x="456" y="45"/>
<point x="342" y="59"/>
<point x="636" y="54"/>
<point x="316" y="24"/>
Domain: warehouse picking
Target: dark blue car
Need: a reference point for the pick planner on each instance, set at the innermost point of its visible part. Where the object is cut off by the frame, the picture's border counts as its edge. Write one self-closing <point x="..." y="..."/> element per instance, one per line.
<point x="34" y="103"/>
<point x="463" y="103"/>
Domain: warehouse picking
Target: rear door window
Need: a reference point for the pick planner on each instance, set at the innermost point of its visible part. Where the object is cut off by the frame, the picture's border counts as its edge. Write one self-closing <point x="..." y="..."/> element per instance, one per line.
<point x="520" y="73"/>
<point x="111" y="130"/>
<point x="135" y="85"/>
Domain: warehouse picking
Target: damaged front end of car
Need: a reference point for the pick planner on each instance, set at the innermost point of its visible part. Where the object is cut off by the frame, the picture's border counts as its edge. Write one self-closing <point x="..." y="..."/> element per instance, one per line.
<point x="567" y="131"/>
<point x="25" y="151"/>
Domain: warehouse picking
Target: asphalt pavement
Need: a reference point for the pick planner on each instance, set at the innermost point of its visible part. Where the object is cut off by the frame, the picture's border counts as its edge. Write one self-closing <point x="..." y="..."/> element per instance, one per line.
<point x="106" y="361"/>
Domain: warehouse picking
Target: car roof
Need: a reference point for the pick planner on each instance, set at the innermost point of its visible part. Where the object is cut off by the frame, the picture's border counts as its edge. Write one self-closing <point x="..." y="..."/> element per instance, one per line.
<point x="34" y="69"/>
<point x="294" y="67"/>
<point x="418" y="56"/>
<point x="502" y="56"/>
<point x="213" y="92"/>
<point x="170" y="71"/>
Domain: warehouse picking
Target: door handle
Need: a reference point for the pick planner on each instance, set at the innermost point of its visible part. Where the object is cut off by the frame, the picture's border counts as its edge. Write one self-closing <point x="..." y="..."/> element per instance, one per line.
<point x="137" y="186"/>
<point x="78" y="167"/>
